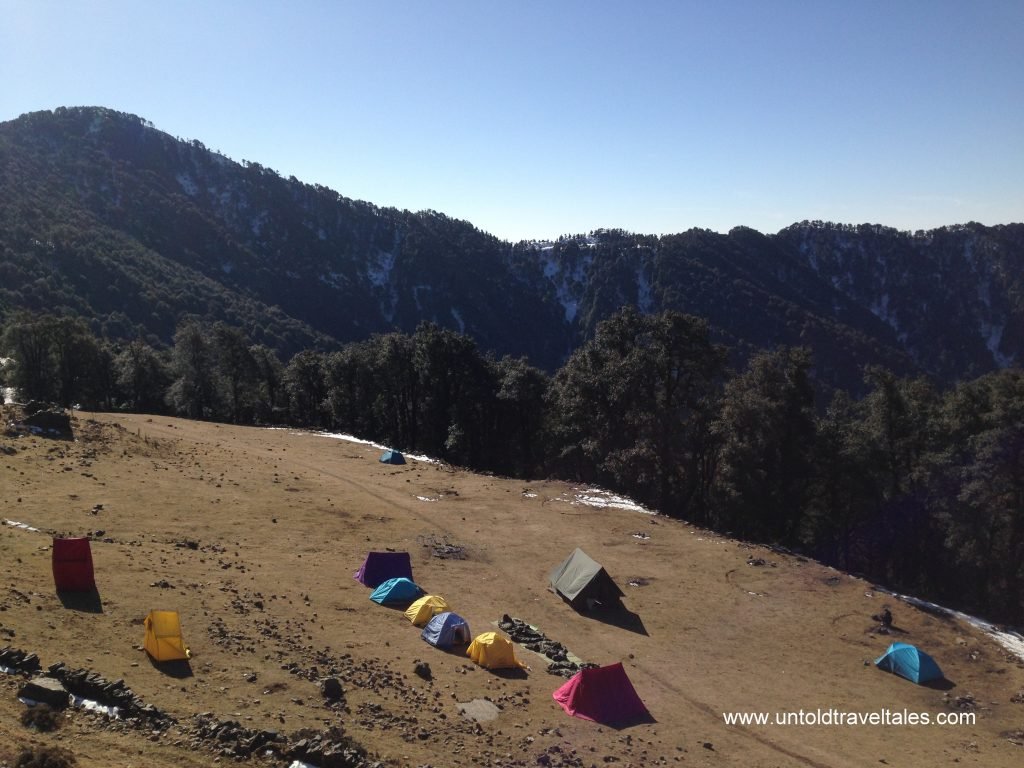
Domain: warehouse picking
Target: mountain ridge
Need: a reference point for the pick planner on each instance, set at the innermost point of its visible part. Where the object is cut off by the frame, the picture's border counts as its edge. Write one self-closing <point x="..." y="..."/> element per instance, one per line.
<point x="105" y="216"/>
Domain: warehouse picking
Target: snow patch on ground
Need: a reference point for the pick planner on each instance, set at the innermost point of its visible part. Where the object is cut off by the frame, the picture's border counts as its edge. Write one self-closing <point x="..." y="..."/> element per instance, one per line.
<point x="416" y="295"/>
<point x="359" y="441"/>
<point x="188" y="186"/>
<point x="598" y="497"/>
<point x="1007" y="638"/>
<point x="23" y="526"/>
<point x="378" y="270"/>
<point x="643" y="291"/>
<point x="6" y="393"/>
<point x="993" y="335"/>
<point x="458" y="319"/>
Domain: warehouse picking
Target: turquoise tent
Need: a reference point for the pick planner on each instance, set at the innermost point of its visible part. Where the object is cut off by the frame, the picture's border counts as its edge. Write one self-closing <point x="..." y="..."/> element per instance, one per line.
<point x="392" y="457"/>
<point x="908" y="661"/>
<point x="446" y="629"/>
<point x="400" y="590"/>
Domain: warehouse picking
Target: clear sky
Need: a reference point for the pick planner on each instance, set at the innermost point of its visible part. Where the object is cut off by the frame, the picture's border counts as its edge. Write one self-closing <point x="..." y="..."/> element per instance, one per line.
<point x="534" y="119"/>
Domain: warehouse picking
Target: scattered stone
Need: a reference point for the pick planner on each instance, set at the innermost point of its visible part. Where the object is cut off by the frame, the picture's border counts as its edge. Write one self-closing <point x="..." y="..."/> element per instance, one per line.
<point x="331" y="689"/>
<point x="422" y="669"/>
<point x="536" y="641"/>
<point x="12" y="658"/>
<point x="45" y="690"/>
<point x="479" y="710"/>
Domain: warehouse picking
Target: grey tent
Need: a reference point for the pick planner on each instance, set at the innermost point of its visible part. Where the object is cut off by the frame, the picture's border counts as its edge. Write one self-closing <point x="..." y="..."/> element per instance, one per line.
<point x="582" y="582"/>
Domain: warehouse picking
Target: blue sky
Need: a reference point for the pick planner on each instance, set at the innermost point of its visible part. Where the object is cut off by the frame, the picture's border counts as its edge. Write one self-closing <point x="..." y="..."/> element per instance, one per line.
<point x="534" y="119"/>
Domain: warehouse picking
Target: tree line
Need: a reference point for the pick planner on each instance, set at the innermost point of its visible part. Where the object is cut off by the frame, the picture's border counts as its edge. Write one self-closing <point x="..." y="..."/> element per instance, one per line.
<point x="919" y="489"/>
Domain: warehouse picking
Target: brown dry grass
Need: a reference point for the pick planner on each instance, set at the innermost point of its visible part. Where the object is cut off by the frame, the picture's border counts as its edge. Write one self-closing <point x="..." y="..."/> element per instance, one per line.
<point x="281" y="520"/>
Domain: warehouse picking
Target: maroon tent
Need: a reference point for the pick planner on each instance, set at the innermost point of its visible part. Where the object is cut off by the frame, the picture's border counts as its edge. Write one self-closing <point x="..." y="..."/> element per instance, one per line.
<point x="72" y="565"/>
<point x="381" y="566"/>
<point x="601" y="694"/>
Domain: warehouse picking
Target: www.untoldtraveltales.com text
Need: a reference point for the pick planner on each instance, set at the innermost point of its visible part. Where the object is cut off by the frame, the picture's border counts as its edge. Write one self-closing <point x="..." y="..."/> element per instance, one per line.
<point x="839" y="717"/>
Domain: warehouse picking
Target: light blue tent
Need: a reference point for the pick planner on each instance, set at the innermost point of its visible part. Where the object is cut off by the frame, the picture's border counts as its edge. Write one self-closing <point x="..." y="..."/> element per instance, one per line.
<point x="907" y="661"/>
<point x="392" y="457"/>
<point x="446" y="629"/>
<point x="400" y="590"/>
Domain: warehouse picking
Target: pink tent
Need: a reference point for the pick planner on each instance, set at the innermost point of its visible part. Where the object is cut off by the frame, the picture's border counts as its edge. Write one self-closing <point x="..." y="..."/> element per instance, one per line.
<point x="601" y="694"/>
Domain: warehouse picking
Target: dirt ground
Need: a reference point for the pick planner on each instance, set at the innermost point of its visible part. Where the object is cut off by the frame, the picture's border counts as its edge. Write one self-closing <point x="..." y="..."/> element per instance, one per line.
<point x="253" y="535"/>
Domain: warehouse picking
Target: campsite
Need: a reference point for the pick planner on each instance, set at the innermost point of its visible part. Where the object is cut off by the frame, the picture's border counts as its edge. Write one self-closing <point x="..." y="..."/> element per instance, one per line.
<point x="254" y="539"/>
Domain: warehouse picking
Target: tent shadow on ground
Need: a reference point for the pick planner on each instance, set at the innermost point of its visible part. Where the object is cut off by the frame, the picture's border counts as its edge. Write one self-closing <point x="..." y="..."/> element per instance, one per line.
<point x="622" y="725"/>
<point x="939" y="684"/>
<point x="179" y="668"/>
<point x="86" y="602"/>
<point x="616" y="616"/>
<point x="508" y="673"/>
<point x="452" y="650"/>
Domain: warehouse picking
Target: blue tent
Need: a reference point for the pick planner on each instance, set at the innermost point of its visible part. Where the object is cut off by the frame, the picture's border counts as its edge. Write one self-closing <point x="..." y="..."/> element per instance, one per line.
<point x="446" y="629"/>
<point x="392" y="457"/>
<point x="400" y="590"/>
<point x="907" y="661"/>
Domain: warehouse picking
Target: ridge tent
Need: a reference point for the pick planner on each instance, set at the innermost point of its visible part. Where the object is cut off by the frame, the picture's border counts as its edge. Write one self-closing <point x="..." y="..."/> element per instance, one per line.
<point x="445" y="630"/>
<point x="72" y="565"/>
<point x="424" y="609"/>
<point x="583" y="582"/>
<point x="601" y="694"/>
<point x="163" y="637"/>
<point x="493" y="651"/>
<point x="908" y="661"/>
<point x="378" y="567"/>
<point x="400" y="590"/>
<point x="392" y="457"/>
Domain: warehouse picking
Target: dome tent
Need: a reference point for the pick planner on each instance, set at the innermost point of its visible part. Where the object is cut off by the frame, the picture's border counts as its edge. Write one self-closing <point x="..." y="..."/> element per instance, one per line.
<point x="910" y="662"/>
<point x="494" y="651"/>
<point x="424" y="609"/>
<point x="400" y="590"/>
<point x="392" y="457"/>
<point x="446" y="629"/>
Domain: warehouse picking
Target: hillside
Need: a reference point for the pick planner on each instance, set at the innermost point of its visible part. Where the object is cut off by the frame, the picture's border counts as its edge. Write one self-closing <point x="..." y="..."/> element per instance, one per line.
<point x="103" y="215"/>
<point x="253" y="535"/>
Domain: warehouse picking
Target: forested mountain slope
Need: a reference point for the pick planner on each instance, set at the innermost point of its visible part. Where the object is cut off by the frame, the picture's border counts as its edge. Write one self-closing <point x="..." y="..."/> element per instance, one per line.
<point x="103" y="215"/>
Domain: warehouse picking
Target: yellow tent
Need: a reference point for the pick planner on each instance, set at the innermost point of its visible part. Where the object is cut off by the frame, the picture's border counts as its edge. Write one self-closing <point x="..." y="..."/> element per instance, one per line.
<point x="424" y="609"/>
<point x="493" y="651"/>
<point x="163" y="637"/>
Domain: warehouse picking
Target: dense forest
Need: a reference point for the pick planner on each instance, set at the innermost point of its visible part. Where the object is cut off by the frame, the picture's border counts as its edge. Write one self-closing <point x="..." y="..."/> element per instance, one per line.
<point x="106" y="217"/>
<point x="918" y="487"/>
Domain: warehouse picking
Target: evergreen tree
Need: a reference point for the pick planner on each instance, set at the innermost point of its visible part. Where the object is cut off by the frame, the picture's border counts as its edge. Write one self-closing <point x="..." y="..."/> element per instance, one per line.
<point x="632" y="409"/>
<point x="142" y="377"/>
<point x="193" y="392"/>
<point x="304" y="381"/>
<point x="767" y="433"/>
<point x="236" y="369"/>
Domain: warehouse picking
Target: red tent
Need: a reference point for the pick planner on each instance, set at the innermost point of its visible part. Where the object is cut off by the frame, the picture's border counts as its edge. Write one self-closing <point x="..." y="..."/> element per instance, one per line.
<point x="72" y="565"/>
<point x="601" y="694"/>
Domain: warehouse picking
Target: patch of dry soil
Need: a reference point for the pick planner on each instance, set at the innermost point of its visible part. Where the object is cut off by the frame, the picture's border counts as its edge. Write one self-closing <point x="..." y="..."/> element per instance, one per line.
<point x="252" y="535"/>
